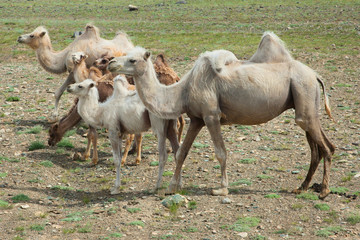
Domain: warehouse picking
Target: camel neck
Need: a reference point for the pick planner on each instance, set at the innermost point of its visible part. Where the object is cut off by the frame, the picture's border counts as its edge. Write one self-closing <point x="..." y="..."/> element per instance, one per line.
<point x="163" y="101"/>
<point x="50" y="60"/>
<point x="89" y="108"/>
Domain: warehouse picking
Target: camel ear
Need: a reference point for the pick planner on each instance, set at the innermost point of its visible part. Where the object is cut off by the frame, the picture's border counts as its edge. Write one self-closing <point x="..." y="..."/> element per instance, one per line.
<point x="42" y="34"/>
<point x="147" y="55"/>
<point x="84" y="56"/>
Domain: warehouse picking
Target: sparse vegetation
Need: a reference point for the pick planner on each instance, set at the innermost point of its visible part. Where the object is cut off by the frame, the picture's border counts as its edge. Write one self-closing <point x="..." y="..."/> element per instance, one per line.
<point x="20" y="198"/>
<point x="36" y="145"/>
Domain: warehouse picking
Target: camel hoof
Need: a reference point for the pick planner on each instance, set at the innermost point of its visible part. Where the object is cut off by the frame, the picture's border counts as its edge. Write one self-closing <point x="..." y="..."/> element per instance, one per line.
<point x="220" y="192"/>
<point x="53" y="118"/>
<point x="95" y="161"/>
<point x="324" y="193"/>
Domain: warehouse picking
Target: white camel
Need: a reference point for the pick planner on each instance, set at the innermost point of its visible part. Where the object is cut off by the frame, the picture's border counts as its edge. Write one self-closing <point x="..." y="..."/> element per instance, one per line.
<point x="125" y="113"/>
<point x="222" y="90"/>
<point x="60" y="61"/>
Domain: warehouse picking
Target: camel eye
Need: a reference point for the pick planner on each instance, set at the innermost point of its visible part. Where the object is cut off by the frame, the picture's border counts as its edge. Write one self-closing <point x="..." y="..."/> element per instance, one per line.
<point x="80" y="86"/>
<point x="132" y="61"/>
<point x="103" y="61"/>
<point x="32" y="35"/>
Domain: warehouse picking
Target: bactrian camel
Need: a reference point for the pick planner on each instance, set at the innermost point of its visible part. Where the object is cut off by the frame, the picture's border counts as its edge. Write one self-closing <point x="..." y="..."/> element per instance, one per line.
<point x="60" y="61"/>
<point x="123" y="113"/>
<point x="221" y="90"/>
<point x="165" y="75"/>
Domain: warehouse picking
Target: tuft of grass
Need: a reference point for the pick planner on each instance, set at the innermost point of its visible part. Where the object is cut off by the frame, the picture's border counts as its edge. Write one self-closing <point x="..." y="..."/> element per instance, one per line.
<point x="297" y="206"/>
<point x="247" y="161"/>
<point x="168" y="173"/>
<point x="36" y="145"/>
<point x="241" y="182"/>
<point x="65" y="143"/>
<point x="322" y="206"/>
<point x="307" y="196"/>
<point x="137" y="223"/>
<point x="13" y="99"/>
<point x="328" y="231"/>
<point x="116" y="235"/>
<point x="2" y="175"/>
<point x="85" y="229"/>
<point x="133" y="210"/>
<point x="244" y="224"/>
<point x="70" y="133"/>
<point x="34" y="130"/>
<point x="37" y="227"/>
<point x="190" y="229"/>
<point x="192" y="205"/>
<point x="353" y="219"/>
<point x="264" y="176"/>
<point x="62" y="188"/>
<point x="200" y="145"/>
<point x="4" y="204"/>
<point x="47" y="163"/>
<point x="272" y="195"/>
<point x="20" y="198"/>
<point x="154" y="163"/>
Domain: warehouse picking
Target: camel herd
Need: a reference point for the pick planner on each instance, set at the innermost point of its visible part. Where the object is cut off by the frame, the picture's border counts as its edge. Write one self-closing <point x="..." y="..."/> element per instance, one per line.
<point x="218" y="90"/>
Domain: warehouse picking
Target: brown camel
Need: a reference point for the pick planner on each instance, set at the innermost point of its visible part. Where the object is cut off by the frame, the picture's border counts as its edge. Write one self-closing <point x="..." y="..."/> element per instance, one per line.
<point x="221" y="90"/>
<point x="60" y="61"/>
<point x="165" y="75"/>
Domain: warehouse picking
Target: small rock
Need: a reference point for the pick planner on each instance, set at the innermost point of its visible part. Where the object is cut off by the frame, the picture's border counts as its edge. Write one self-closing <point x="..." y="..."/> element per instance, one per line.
<point x="181" y="2"/>
<point x="175" y="199"/>
<point x="25" y="206"/>
<point x="295" y="172"/>
<point x="133" y="8"/>
<point x="243" y="234"/>
<point x="357" y="175"/>
<point x="226" y="201"/>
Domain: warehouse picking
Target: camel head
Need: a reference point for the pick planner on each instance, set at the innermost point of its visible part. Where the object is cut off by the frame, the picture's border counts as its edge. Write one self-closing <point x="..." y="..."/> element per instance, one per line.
<point x="78" y="57"/>
<point x="34" y="39"/>
<point x="102" y="62"/>
<point x="135" y="63"/>
<point x="81" y="89"/>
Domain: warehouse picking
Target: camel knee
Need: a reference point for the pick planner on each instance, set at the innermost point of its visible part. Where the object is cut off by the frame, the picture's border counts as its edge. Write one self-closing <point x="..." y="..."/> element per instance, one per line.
<point x="302" y="123"/>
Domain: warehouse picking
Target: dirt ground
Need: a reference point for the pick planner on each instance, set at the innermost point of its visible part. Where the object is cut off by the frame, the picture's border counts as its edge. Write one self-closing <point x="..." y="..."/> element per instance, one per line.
<point x="70" y="199"/>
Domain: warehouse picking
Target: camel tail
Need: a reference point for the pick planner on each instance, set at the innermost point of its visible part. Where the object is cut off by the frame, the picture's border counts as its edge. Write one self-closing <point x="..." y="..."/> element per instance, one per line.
<point x="327" y="104"/>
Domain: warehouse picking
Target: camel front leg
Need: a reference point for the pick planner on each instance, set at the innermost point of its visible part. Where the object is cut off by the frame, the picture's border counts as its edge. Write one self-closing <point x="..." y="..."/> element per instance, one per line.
<point x="129" y="140"/>
<point x="94" y="138"/>
<point x="58" y="93"/>
<point x="138" y="140"/>
<point x="161" y="136"/>
<point x="171" y="134"/>
<point x="195" y="126"/>
<point x="116" y="148"/>
<point x="180" y="127"/>
<point x="213" y="124"/>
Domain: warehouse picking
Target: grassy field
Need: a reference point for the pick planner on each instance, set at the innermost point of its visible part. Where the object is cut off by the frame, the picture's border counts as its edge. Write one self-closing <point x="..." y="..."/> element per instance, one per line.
<point x="183" y="31"/>
<point x="47" y="194"/>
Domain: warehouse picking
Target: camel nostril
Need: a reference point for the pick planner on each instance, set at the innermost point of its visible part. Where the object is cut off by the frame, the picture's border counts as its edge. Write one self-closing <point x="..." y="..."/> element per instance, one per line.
<point x="218" y="70"/>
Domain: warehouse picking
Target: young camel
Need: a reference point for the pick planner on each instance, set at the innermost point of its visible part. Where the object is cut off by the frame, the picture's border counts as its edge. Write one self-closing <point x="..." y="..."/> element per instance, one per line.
<point x="219" y="90"/>
<point x="60" y="61"/>
<point x="123" y="113"/>
<point x="165" y="74"/>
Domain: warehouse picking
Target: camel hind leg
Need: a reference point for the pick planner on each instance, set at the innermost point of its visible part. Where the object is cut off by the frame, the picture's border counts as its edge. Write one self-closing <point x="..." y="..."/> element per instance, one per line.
<point x="306" y="101"/>
<point x="138" y="140"/>
<point x="58" y="93"/>
<point x="129" y="140"/>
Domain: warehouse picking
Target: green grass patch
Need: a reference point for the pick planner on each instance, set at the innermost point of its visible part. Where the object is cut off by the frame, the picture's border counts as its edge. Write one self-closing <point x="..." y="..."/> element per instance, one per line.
<point x="168" y="173"/>
<point x="353" y="219"/>
<point x="244" y="224"/>
<point x="339" y="190"/>
<point x="116" y="235"/>
<point x="272" y="195"/>
<point x="190" y="229"/>
<point x="20" y="198"/>
<point x="241" y="182"/>
<point x="192" y="205"/>
<point x="154" y="163"/>
<point x="2" y="175"/>
<point x="36" y="145"/>
<point x="307" y="196"/>
<point x="37" y="227"/>
<point x="328" y="231"/>
<point x="62" y="188"/>
<point x="13" y="99"/>
<point x="200" y="145"/>
<point x="137" y="223"/>
<point x="322" y="206"/>
<point x="247" y="161"/>
<point x="34" y="130"/>
<point x="4" y="204"/>
<point x="47" y="163"/>
<point x="65" y="143"/>
<point x="297" y="206"/>
<point x="85" y="229"/>
<point x="70" y="133"/>
<point x="133" y="210"/>
<point x="264" y="176"/>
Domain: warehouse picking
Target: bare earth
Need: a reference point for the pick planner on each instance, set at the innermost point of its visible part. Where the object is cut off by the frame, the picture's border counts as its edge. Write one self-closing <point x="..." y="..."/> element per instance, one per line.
<point x="70" y="199"/>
